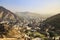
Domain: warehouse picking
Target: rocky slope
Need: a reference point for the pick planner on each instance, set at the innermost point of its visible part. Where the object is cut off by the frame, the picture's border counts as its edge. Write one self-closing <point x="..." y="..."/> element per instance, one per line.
<point x="9" y="23"/>
<point x="6" y="15"/>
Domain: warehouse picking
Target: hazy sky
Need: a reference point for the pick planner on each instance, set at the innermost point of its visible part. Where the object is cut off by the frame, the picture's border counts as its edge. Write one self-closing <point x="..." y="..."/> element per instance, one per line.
<point x="38" y="6"/>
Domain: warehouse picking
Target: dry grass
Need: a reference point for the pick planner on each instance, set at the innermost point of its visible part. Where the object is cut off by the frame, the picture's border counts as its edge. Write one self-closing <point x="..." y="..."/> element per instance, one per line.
<point x="8" y="39"/>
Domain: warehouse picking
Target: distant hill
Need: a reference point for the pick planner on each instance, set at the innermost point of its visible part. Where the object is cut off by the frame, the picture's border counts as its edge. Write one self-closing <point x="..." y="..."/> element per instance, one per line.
<point x="31" y="15"/>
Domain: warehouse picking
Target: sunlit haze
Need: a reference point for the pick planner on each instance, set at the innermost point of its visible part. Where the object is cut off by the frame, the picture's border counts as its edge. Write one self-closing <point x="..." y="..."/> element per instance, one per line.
<point x="36" y="6"/>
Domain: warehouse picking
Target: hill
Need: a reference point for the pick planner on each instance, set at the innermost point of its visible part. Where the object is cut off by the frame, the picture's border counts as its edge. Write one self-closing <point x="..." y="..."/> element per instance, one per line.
<point x="31" y="15"/>
<point x="51" y="25"/>
<point x="54" y="21"/>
